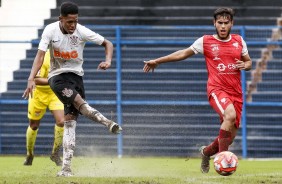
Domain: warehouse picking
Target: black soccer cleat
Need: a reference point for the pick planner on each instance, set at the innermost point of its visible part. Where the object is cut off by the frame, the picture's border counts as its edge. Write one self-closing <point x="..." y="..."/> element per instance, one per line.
<point x="56" y="158"/>
<point x="28" y="160"/>
<point x="205" y="164"/>
<point x="115" y="128"/>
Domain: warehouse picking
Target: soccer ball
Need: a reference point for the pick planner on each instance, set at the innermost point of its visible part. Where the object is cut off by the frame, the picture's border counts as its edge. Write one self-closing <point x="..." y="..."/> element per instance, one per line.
<point x="225" y="163"/>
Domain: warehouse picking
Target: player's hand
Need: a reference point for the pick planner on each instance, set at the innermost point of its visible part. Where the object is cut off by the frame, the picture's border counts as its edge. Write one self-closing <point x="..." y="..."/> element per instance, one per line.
<point x="150" y="65"/>
<point x="240" y="65"/>
<point x="29" y="89"/>
<point x="104" y="65"/>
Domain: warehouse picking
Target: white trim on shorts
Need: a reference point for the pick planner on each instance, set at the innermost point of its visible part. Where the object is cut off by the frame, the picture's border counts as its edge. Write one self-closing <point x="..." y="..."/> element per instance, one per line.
<point x="217" y="103"/>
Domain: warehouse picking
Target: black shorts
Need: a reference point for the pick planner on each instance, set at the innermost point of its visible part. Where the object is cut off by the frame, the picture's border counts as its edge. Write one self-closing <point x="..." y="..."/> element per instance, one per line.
<point x="66" y="86"/>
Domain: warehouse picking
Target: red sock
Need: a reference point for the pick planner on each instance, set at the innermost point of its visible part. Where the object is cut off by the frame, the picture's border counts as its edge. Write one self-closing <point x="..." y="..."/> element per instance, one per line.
<point x="224" y="140"/>
<point x="211" y="149"/>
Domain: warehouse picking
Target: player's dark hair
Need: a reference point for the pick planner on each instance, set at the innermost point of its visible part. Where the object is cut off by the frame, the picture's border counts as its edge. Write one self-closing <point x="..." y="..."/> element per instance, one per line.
<point x="224" y="12"/>
<point x="68" y="8"/>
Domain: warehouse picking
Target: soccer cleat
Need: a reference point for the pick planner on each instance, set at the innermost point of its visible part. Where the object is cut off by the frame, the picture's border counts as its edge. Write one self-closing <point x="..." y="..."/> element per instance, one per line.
<point x="65" y="173"/>
<point x="205" y="164"/>
<point x="28" y="160"/>
<point x="115" y="128"/>
<point x="56" y="158"/>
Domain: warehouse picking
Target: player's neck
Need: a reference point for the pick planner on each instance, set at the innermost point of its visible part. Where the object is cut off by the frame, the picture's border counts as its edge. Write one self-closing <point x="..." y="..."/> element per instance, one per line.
<point x="62" y="29"/>
<point x="222" y="39"/>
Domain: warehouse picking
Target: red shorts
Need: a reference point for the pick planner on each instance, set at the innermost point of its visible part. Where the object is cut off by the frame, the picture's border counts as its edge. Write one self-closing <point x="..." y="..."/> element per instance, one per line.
<point x="219" y="101"/>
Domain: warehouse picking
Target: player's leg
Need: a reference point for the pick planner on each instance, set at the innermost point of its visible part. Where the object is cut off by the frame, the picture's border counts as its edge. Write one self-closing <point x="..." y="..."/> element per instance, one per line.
<point x="64" y="88"/>
<point x="227" y="128"/>
<point x="93" y="114"/>
<point x="222" y="104"/>
<point x="69" y="88"/>
<point x="238" y="105"/>
<point x="31" y="134"/>
<point x="36" y="110"/>
<point x="68" y="144"/>
<point x="58" y="136"/>
<point x="221" y="143"/>
<point x="57" y="109"/>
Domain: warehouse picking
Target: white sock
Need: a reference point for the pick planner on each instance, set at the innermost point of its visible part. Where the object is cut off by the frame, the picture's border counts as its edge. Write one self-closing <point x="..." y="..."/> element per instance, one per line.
<point x="68" y="143"/>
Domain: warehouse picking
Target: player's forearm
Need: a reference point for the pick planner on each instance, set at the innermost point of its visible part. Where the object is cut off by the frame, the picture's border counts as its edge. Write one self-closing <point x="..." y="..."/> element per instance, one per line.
<point x="41" y="81"/>
<point x="108" y="50"/>
<point x="35" y="68"/>
<point x="248" y="65"/>
<point x="176" y="56"/>
<point x="37" y="63"/>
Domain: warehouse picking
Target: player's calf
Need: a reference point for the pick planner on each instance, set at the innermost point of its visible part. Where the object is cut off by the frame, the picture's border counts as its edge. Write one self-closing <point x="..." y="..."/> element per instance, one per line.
<point x="95" y="115"/>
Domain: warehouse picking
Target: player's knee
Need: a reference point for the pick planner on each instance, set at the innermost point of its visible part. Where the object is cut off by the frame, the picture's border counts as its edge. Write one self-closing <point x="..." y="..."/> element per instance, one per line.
<point x="34" y="124"/>
<point x="34" y="127"/>
<point x="230" y="116"/>
<point x="60" y="123"/>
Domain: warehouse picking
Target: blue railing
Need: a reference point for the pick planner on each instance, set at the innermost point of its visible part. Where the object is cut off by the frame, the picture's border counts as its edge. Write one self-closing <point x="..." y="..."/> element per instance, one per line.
<point x="119" y="41"/>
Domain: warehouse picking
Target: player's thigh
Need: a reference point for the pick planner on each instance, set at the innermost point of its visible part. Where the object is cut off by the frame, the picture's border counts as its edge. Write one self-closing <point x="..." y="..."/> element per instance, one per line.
<point x="36" y="109"/>
<point x="238" y="105"/>
<point x="219" y="101"/>
<point x="63" y="87"/>
<point x="57" y="108"/>
<point x="54" y="103"/>
<point x="66" y="86"/>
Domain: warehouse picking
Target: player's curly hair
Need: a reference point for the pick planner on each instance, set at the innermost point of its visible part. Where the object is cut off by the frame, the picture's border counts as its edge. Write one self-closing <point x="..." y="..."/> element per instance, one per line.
<point x="225" y="12"/>
<point x="68" y="8"/>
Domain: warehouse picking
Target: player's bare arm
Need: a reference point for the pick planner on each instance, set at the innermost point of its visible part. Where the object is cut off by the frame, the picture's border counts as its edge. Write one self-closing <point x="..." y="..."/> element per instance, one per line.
<point x="109" y="54"/>
<point x="41" y="81"/>
<point x="176" y="56"/>
<point x="37" y="63"/>
<point x="245" y="63"/>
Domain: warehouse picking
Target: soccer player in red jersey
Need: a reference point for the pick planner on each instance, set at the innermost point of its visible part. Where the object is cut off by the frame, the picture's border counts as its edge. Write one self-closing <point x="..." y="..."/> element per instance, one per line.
<point x="225" y="54"/>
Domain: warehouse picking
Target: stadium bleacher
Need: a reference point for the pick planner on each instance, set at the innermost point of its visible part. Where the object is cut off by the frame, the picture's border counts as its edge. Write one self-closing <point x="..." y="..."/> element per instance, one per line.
<point x="156" y="130"/>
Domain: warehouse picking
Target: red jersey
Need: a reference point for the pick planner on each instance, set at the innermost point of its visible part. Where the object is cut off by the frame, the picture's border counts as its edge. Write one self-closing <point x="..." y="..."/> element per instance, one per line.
<point x="221" y="57"/>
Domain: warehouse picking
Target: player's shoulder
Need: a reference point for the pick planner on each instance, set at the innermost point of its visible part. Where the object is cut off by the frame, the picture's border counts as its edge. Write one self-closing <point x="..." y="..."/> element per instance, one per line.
<point x="52" y="26"/>
<point x="234" y="34"/>
<point x="82" y="28"/>
<point x="208" y="36"/>
<point x="237" y="37"/>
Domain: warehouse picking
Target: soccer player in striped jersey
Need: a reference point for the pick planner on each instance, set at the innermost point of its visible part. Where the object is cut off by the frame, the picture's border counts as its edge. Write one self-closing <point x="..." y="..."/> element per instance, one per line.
<point x="226" y="55"/>
<point x="44" y="97"/>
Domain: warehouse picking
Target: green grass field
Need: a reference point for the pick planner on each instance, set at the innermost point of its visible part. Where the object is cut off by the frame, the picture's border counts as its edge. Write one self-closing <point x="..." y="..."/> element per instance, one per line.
<point x="136" y="171"/>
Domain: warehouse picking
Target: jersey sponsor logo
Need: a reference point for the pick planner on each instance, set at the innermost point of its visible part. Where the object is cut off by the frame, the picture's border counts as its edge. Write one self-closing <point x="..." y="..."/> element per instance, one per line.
<point x="66" y="55"/>
<point x="67" y="92"/>
<point x="221" y="67"/>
